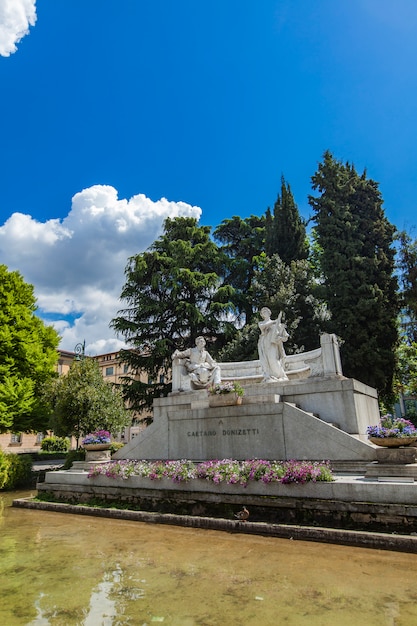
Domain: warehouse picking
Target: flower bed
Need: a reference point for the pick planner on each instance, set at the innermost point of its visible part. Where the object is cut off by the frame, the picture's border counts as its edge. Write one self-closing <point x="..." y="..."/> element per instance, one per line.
<point x="219" y="471"/>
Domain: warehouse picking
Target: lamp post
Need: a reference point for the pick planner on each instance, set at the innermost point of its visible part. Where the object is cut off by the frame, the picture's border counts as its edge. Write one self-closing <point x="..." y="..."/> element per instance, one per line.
<point x="80" y="351"/>
<point x="79" y="356"/>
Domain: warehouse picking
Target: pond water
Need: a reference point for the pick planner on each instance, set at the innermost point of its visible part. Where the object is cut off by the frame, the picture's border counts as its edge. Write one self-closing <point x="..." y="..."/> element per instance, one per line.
<point x="63" y="570"/>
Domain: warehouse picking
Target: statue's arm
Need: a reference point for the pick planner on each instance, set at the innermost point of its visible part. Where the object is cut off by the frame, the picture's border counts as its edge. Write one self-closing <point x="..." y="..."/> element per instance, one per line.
<point x="210" y="360"/>
<point x="181" y="355"/>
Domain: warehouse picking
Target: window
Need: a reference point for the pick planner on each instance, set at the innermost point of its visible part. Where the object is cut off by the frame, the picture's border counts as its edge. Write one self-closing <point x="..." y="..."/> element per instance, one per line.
<point x="125" y="369"/>
<point x="162" y="379"/>
<point x="109" y="371"/>
<point x="16" y="438"/>
<point x="39" y="437"/>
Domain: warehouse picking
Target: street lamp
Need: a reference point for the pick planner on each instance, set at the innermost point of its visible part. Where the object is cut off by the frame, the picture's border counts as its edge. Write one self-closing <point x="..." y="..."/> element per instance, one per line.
<point x="80" y="351"/>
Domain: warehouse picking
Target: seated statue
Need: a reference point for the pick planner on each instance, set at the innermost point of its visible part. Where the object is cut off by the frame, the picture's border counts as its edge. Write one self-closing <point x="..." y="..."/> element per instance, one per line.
<point x="270" y="347"/>
<point x="201" y="367"/>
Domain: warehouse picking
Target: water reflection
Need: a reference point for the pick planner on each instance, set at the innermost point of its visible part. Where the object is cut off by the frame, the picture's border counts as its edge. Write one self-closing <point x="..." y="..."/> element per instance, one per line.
<point x="65" y="570"/>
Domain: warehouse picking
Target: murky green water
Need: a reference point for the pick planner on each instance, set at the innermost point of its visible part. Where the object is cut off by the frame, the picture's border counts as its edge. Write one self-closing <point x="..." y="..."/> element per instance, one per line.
<point x="65" y="570"/>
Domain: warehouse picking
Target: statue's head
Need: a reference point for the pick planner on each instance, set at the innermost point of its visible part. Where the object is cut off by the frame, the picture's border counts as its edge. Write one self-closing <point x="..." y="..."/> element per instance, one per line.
<point x="200" y="341"/>
<point x="265" y="312"/>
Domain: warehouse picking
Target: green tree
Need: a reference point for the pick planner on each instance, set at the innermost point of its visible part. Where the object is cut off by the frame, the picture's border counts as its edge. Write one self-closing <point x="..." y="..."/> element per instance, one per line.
<point x="286" y="230"/>
<point x="291" y="288"/>
<point x="407" y="265"/>
<point x="28" y="356"/>
<point x="357" y="262"/>
<point x="288" y="288"/>
<point x="173" y="293"/>
<point x="406" y="370"/>
<point x="243" y="241"/>
<point x="83" y="402"/>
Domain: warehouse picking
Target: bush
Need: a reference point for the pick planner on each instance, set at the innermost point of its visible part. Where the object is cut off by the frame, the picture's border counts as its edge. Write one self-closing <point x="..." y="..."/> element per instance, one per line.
<point x="115" y="446"/>
<point x="4" y="465"/>
<point x="55" y="444"/>
<point x="15" y="470"/>
<point x="43" y="455"/>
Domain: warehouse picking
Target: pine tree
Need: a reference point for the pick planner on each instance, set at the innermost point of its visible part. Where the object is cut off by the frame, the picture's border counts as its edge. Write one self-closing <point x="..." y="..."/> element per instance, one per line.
<point x="243" y="240"/>
<point x="173" y="293"/>
<point x="357" y="263"/>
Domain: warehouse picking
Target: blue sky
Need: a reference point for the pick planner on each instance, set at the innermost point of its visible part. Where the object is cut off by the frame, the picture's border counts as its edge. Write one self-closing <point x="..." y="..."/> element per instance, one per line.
<point x="115" y="115"/>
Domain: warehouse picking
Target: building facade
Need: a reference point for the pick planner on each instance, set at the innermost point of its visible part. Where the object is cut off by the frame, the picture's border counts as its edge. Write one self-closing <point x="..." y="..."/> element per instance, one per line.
<point x="112" y="370"/>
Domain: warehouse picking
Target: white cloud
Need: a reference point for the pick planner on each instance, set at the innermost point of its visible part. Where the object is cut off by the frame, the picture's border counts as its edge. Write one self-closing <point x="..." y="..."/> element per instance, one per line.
<point x="77" y="264"/>
<point x="15" y="18"/>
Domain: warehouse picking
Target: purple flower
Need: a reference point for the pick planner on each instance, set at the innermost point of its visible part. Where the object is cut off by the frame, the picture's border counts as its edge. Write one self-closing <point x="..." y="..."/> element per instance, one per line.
<point x="99" y="436"/>
<point x="392" y="427"/>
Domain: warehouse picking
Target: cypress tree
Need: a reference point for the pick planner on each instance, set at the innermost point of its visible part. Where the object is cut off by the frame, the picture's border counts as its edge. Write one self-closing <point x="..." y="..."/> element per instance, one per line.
<point x="286" y="233"/>
<point x="357" y="263"/>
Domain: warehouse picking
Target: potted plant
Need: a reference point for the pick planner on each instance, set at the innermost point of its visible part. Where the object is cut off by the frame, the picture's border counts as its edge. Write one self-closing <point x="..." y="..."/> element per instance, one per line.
<point x="99" y="440"/>
<point x="392" y="432"/>
<point x="228" y="392"/>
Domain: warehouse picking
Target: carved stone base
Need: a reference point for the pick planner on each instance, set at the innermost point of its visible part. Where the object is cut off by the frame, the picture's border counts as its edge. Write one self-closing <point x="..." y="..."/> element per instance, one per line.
<point x="97" y="455"/>
<point x="393" y="463"/>
<point x="396" y="456"/>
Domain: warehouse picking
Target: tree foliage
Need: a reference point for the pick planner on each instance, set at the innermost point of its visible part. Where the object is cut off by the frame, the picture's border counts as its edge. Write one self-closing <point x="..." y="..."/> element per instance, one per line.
<point x="288" y="288"/>
<point x="357" y="262"/>
<point x="285" y="229"/>
<point x="28" y="356"/>
<point x="407" y="265"/>
<point x="173" y="293"/>
<point x="406" y="370"/>
<point x="243" y="240"/>
<point x="83" y="402"/>
<point x="291" y="288"/>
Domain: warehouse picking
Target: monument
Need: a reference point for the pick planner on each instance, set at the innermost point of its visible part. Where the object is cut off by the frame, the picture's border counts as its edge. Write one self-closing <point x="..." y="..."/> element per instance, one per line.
<point x="301" y="407"/>
<point x="297" y="407"/>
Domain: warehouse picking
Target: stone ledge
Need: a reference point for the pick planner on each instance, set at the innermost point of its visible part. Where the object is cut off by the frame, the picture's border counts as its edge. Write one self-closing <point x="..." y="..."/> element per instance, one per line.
<point x="363" y="539"/>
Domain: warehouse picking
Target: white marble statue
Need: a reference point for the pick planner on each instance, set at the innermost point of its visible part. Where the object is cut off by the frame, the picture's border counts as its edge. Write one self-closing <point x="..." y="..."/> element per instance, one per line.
<point x="201" y="367"/>
<point x="270" y="347"/>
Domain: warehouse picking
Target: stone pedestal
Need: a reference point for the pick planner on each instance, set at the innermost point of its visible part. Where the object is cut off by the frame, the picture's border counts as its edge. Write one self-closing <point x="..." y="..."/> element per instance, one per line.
<point x="92" y="457"/>
<point x="393" y="463"/>
<point x="396" y="456"/>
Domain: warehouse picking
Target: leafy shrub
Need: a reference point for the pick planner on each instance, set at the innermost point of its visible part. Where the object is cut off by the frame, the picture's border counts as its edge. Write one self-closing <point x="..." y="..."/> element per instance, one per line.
<point x="55" y="444"/>
<point x="4" y="465"/>
<point x="15" y="470"/>
<point x="44" y="455"/>
<point x="115" y="446"/>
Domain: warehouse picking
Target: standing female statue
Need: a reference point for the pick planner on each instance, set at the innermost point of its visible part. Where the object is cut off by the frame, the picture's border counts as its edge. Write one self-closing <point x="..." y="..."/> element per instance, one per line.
<point x="270" y="347"/>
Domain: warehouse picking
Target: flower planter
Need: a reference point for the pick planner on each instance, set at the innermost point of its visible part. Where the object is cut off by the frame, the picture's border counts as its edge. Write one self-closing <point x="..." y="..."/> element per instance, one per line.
<point x="96" y="446"/>
<point x="224" y="399"/>
<point x="392" y="442"/>
<point x="97" y="452"/>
